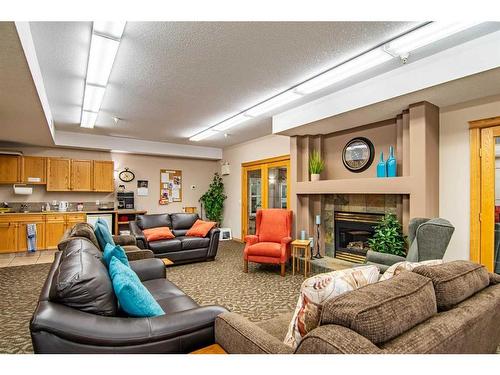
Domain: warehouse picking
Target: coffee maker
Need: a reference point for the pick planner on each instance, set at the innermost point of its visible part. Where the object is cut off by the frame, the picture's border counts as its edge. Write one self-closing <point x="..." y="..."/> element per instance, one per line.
<point x="125" y="200"/>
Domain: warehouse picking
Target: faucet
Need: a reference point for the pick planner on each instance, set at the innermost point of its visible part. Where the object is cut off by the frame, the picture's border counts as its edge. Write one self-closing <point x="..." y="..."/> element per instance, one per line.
<point x="24" y="207"/>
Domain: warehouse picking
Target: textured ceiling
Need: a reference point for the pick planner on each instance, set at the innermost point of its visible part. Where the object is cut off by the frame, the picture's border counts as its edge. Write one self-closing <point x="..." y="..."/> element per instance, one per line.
<point x="21" y="116"/>
<point x="173" y="79"/>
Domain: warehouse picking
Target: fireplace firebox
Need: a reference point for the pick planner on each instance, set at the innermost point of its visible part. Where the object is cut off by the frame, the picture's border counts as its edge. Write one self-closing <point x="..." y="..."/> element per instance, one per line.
<point x="352" y="231"/>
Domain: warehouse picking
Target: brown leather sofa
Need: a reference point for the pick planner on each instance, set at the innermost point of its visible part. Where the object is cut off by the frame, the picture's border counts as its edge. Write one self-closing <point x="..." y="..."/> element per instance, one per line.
<point x="77" y="311"/>
<point x="448" y="308"/>
<point x="182" y="248"/>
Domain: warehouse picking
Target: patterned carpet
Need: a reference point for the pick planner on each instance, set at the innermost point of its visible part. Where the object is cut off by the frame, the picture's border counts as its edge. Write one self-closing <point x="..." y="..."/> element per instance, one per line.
<point x="259" y="295"/>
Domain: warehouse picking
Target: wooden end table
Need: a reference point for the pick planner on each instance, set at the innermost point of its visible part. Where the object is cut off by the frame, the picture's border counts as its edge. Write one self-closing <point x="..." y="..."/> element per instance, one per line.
<point x="297" y="246"/>
<point x="212" y="349"/>
<point x="167" y="262"/>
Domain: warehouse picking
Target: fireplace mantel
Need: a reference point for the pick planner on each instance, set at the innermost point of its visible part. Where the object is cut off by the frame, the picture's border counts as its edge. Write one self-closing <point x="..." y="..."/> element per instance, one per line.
<point x="394" y="185"/>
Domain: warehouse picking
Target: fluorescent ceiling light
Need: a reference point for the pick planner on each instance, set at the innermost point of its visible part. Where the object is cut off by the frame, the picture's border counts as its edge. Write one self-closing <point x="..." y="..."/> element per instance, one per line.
<point x="204" y="134"/>
<point x="112" y="29"/>
<point x="229" y="123"/>
<point x="425" y="35"/>
<point x="88" y="119"/>
<point x="346" y="70"/>
<point x="277" y="101"/>
<point x="92" y="99"/>
<point x="101" y="58"/>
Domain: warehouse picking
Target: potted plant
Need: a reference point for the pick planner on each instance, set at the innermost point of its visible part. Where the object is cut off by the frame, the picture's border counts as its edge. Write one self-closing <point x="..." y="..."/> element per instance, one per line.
<point x="316" y="165"/>
<point x="388" y="237"/>
<point x="213" y="200"/>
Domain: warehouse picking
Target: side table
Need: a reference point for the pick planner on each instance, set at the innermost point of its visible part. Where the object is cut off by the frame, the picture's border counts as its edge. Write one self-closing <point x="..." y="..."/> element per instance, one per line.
<point x="297" y="246"/>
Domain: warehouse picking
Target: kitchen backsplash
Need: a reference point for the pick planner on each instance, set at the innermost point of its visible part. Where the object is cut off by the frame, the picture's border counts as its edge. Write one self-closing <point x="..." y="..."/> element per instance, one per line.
<point x="37" y="206"/>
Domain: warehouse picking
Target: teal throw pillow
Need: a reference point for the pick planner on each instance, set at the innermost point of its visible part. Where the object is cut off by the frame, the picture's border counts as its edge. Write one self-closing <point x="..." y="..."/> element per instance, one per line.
<point x="117" y="251"/>
<point x="103" y="222"/>
<point x="103" y="235"/>
<point x="133" y="297"/>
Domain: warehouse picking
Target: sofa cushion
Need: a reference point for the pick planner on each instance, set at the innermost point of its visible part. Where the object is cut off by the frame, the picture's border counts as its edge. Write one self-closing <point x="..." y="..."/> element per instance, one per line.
<point x="266" y="249"/>
<point x="316" y="290"/>
<point x="179" y="232"/>
<point x="183" y="220"/>
<point x="189" y="243"/>
<point x="103" y="235"/>
<point x="84" y="230"/>
<point x="200" y="228"/>
<point x="159" y="233"/>
<point x="162" y="288"/>
<point x="399" y="267"/>
<point x="134" y="298"/>
<point x="455" y="281"/>
<point x="116" y="251"/>
<point x="78" y="245"/>
<point x="383" y="310"/>
<point x="178" y="303"/>
<point x="81" y="281"/>
<point x="165" y="246"/>
<point x="153" y="221"/>
<point x="274" y="225"/>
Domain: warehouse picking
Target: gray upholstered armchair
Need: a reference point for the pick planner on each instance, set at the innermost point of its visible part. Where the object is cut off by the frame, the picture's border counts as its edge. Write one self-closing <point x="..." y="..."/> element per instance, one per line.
<point x="428" y="239"/>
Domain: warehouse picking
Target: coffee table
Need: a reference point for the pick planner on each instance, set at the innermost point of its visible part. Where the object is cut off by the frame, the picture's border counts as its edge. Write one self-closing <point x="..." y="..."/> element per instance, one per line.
<point x="297" y="246"/>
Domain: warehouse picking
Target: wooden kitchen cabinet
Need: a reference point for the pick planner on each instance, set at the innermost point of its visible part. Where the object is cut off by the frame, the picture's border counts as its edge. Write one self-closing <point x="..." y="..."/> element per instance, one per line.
<point x="34" y="170"/>
<point x="72" y="219"/>
<point x="8" y="234"/>
<point x="22" y="241"/>
<point x="58" y="174"/>
<point x="55" y="226"/>
<point x="81" y="175"/>
<point x="104" y="176"/>
<point x="10" y="169"/>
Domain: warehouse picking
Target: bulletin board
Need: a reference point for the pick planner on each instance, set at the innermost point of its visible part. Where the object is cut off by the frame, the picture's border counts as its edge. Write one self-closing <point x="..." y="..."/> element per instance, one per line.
<point x="170" y="186"/>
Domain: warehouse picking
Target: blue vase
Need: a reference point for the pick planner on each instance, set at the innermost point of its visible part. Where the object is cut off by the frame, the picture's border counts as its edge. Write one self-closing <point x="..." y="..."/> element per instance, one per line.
<point x="391" y="163"/>
<point x="381" y="166"/>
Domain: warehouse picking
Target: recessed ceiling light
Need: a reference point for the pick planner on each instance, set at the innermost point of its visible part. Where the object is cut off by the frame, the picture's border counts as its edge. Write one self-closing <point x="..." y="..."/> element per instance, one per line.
<point x="233" y="121"/>
<point x="93" y="98"/>
<point x="88" y="119"/>
<point x="205" y="134"/>
<point x="275" y="102"/>
<point x="112" y="29"/>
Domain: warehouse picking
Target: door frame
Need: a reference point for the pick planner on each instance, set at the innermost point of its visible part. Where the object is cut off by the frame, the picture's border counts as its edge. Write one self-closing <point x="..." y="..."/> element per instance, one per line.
<point x="482" y="189"/>
<point x="263" y="165"/>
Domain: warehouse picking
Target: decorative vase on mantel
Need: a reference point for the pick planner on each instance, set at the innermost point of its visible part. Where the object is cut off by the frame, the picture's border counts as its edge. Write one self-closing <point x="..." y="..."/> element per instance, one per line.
<point x="382" y="166"/>
<point x="314" y="176"/>
<point x="391" y="163"/>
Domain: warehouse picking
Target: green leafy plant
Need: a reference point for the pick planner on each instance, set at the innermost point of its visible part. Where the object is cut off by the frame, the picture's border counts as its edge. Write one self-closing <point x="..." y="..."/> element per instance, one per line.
<point x="388" y="237"/>
<point x="213" y="200"/>
<point x="316" y="164"/>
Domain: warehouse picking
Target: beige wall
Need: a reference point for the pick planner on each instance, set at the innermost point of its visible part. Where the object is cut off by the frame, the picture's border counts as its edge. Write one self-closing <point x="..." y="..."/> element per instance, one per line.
<point x="454" y="167"/>
<point x="194" y="172"/>
<point x="260" y="148"/>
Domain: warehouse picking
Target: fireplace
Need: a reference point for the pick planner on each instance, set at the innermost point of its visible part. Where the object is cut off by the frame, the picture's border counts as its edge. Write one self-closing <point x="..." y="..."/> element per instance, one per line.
<point x="352" y="231"/>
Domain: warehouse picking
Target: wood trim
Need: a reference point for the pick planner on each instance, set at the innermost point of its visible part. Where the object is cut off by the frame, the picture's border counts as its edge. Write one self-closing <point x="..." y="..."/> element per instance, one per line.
<point x="475" y="195"/>
<point x="485" y="123"/>
<point x="266" y="161"/>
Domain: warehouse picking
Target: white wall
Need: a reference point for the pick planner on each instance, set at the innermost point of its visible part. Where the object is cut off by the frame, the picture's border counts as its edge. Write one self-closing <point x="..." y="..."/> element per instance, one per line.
<point x="260" y="148"/>
<point x="454" y="168"/>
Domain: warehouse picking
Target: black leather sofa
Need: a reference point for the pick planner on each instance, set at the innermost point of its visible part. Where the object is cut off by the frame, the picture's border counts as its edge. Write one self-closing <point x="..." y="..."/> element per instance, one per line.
<point x="182" y="248"/>
<point x="77" y="311"/>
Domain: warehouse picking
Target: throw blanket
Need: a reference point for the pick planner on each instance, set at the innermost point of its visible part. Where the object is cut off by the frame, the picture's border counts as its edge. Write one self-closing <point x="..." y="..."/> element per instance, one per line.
<point x="31" y="237"/>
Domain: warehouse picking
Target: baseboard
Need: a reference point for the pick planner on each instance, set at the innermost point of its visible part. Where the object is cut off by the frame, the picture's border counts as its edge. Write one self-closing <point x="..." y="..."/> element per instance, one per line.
<point x="238" y="240"/>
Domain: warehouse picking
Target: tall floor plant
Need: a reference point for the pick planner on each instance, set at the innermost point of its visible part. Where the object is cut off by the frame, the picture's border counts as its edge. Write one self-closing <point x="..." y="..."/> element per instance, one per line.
<point x="213" y="200"/>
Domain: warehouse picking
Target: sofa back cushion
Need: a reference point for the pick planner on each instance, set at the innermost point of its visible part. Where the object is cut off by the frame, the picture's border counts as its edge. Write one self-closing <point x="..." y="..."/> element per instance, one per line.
<point x="84" y="230"/>
<point x="183" y="221"/>
<point x="273" y="224"/>
<point x="383" y="310"/>
<point x="80" y="245"/>
<point x="153" y="221"/>
<point x="81" y="281"/>
<point x="455" y="281"/>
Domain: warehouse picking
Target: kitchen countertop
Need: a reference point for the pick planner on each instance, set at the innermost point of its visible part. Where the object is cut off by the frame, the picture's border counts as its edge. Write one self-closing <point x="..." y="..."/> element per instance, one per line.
<point x="115" y="211"/>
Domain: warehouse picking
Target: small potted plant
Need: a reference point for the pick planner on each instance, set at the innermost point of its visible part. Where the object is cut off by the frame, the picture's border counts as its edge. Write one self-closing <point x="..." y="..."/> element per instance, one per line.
<point x="388" y="237"/>
<point x="316" y="165"/>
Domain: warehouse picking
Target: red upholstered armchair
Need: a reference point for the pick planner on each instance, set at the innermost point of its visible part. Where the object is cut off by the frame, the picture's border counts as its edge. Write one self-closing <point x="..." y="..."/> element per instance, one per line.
<point x="271" y="242"/>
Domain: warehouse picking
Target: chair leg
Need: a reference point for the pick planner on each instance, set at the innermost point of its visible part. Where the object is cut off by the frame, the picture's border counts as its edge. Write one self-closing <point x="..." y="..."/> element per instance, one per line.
<point x="245" y="266"/>
<point x="282" y="270"/>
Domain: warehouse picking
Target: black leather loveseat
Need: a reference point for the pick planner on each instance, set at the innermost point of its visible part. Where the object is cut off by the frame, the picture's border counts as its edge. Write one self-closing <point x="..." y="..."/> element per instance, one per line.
<point x="77" y="311"/>
<point x="182" y="248"/>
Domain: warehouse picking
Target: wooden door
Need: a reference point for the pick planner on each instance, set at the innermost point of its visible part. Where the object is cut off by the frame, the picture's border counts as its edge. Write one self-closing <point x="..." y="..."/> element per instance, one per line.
<point x="10" y="169"/>
<point x="58" y="174"/>
<point x="34" y="170"/>
<point x="103" y="178"/>
<point x="22" y="242"/>
<point x="8" y="234"/>
<point x="55" y="226"/>
<point x="81" y="175"/>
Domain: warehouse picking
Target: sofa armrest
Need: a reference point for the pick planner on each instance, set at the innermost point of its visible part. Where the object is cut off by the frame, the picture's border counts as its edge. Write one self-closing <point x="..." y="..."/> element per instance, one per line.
<point x="96" y="330"/>
<point x="214" y="236"/>
<point x="494" y="278"/>
<point x="383" y="258"/>
<point x="237" y="335"/>
<point x="251" y="239"/>
<point x="124" y="240"/>
<point x="149" y="269"/>
<point x="142" y="243"/>
<point x="134" y="253"/>
<point x="335" y="339"/>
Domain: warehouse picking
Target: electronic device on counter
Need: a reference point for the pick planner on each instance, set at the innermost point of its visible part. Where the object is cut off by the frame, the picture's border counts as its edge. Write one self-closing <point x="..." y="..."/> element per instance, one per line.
<point x="125" y="200"/>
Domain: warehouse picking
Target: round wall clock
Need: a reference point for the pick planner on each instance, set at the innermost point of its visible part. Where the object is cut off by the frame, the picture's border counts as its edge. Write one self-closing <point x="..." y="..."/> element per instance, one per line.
<point x="358" y="154"/>
<point x="126" y="175"/>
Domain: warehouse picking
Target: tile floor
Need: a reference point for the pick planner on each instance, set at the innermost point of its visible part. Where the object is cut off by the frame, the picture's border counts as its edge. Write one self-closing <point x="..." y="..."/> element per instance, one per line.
<point x="24" y="259"/>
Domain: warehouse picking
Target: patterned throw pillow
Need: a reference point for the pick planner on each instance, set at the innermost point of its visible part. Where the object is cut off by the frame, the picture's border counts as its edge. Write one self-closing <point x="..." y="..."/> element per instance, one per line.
<point x="318" y="289"/>
<point x="407" y="266"/>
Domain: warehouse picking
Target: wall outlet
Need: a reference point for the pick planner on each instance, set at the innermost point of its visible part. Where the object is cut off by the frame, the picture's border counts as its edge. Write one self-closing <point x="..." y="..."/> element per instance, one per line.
<point x="193" y="187"/>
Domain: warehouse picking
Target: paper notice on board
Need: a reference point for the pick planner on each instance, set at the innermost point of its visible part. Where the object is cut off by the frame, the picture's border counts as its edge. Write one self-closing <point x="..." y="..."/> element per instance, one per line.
<point x="143" y="192"/>
<point x="164" y="177"/>
<point x="176" y="194"/>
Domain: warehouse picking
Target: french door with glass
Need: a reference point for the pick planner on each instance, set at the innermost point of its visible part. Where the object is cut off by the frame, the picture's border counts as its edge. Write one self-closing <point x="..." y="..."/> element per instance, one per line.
<point x="265" y="184"/>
